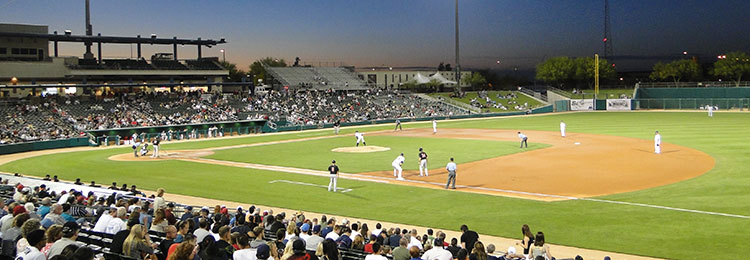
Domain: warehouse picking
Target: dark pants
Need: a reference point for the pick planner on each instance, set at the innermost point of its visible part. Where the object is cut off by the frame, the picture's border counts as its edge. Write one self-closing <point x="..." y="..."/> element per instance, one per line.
<point x="398" y="126"/>
<point x="451" y="180"/>
<point x="524" y="143"/>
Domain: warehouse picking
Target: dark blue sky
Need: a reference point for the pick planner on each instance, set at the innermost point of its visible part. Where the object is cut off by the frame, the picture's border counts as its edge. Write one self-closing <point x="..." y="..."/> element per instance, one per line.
<point x="406" y="32"/>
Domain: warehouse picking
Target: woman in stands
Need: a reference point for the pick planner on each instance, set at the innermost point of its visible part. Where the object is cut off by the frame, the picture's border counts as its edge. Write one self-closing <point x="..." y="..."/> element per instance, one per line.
<point x="53" y="234"/>
<point x="358" y="243"/>
<point x="184" y="251"/>
<point x="137" y="244"/>
<point x="478" y="253"/>
<point x="539" y="248"/>
<point x="330" y="250"/>
<point x="160" y="221"/>
<point x="527" y="241"/>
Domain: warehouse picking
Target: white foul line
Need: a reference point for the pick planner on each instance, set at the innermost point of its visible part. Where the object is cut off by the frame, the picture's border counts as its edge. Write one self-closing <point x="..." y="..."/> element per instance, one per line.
<point x="309" y="184"/>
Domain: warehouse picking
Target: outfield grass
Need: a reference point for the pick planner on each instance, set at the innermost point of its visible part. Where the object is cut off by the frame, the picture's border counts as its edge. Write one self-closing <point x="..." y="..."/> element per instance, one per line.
<point x="604" y="226"/>
<point x="317" y="154"/>
<point x="493" y="95"/>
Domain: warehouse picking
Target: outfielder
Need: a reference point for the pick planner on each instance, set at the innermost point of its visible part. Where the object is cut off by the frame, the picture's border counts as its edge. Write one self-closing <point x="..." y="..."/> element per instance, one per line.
<point x="360" y="138"/>
<point x="423" y="163"/>
<point x="397" y="166"/>
<point x="657" y="143"/>
<point x="334" y="174"/>
<point x="710" y="111"/>
<point x="523" y="139"/>
<point x="156" y="148"/>
<point x="434" y="126"/>
<point x="562" y="128"/>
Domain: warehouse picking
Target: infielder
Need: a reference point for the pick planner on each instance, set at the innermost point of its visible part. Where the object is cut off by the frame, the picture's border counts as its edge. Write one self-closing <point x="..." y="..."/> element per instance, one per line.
<point x="657" y="143"/>
<point x="135" y="148"/>
<point x="710" y="111"/>
<point x="434" y="126"/>
<point x="562" y="128"/>
<point x="423" y="163"/>
<point x="156" y="148"/>
<point x="360" y="138"/>
<point x="523" y="139"/>
<point x="334" y="174"/>
<point x="134" y="138"/>
<point x="397" y="166"/>
<point x="336" y="126"/>
<point x="451" y="167"/>
<point x="398" y="125"/>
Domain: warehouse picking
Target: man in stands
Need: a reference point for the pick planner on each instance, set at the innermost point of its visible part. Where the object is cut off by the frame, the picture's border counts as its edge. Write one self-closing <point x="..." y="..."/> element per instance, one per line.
<point x="101" y="224"/>
<point x="394" y="239"/>
<point x="36" y="243"/>
<point x="69" y="236"/>
<point x="377" y="253"/>
<point x="245" y="252"/>
<point x="334" y="235"/>
<point x="331" y="223"/>
<point x="224" y="243"/>
<point x="258" y="231"/>
<point x="202" y="230"/>
<point x="54" y="217"/>
<point x="44" y="209"/>
<point x="414" y="240"/>
<point x="437" y="252"/>
<point x="169" y="239"/>
<point x="298" y="247"/>
<point x="118" y="222"/>
<point x="468" y="238"/>
<point x="401" y="253"/>
<point x="315" y="239"/>
<point x="345" y="240"/>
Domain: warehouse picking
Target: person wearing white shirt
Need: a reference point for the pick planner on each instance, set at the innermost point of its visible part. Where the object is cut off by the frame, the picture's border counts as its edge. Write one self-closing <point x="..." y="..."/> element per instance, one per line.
<point x="710" y="111"/>
<point x="36" y="243"/>
<point x="360" y="138"/>
<point x="117" y="223"/>
<point x="434" y="126"/>
<point x="334" y="235"/>
<point x="562" y="128"/>
<point x="414" y="241"/>
<point x="451" y="167"/>
<point x="397" y="166"/>
<point x="377" y="255"/>
<point x="101" y="224"/>
<point x="437" y="252"/>
<point x="657" y="143"/>
<point x="523" y="139"/>
<point x="245" y="252"/>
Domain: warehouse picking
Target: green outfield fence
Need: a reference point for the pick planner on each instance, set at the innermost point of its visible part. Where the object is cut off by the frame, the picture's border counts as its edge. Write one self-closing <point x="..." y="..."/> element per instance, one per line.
<point x="692" y="103"/>
<point x="44" y="145"/>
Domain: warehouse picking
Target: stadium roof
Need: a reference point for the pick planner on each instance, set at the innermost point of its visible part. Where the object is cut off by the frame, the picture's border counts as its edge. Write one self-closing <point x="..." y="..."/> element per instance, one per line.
<point x="114" y="39"/>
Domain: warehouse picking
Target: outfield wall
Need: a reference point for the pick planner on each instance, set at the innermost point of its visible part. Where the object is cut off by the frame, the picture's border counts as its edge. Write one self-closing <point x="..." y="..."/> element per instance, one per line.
<point x="693" y="98"/>
<point x="43" y="145"/>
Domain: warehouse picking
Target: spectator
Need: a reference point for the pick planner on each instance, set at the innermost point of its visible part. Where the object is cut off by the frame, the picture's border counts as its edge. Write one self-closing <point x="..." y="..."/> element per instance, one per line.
<point x="118" y="222"/>
<point x="298" y="248"/>
<point x="376" y="253"/>
<point x="490" y="252"/>
<point x="54" y="217"/>
<point x="44" y="208"/>
<point x="169" y="239"/>
<point x="330" y="250"/>
<point x="414" y="253"/>
<point x="83" y="253"/>
<point x="414" y="240"/>
<point x="437" y="252"/>
<point x="103" y="221"/>
<point x="245" y="252"/>
<point x="394" y="239"/>
<point x="453" y="247"/>
<point x="462" y="254"/>
<point x="36" y="242"/>
<point x="315" y="239"/>
<point x="468" y="238"/>
<point x="160" y="221"/>
<point x="528" y="240"/>
<point x="26" y="229"/>
<point x="224" y="243"/>
<point x="159" y="202"/>
<point x="263" y="252"/>
<point x="258" y="232"/>
<point x="539" y="248"/>
<point x="358" y="243"/>
<point x="120" y="236"/>
<point x="69" y="236"/>
<point x="345" y="241"/>
<point x="181" y="230"/>
<point x="183" y="251"/>
<point x="478" y="253"/>
<point x="401" y="253"/>
<point x="138" y="243"/>
<point x="202" y="230"/>
<point x="52" y="234"/>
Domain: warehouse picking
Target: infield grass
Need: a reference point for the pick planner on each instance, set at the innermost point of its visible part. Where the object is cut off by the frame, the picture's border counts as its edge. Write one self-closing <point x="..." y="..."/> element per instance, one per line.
<point x="604" y="226"/>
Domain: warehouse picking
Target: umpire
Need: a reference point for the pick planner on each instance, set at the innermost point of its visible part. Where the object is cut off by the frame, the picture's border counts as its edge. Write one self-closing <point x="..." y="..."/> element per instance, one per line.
<point x="451" y="167"/>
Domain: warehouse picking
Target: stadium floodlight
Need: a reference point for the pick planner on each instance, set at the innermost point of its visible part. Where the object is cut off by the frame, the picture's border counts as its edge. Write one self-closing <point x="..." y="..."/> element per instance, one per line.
<point x="153" y="36"/>
<point x="68" y="32"/>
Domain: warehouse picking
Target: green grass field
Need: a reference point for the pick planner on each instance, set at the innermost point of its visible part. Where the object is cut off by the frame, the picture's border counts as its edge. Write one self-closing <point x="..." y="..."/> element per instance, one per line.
<point x="493" y="95"/>
<point x="589" y="224"/>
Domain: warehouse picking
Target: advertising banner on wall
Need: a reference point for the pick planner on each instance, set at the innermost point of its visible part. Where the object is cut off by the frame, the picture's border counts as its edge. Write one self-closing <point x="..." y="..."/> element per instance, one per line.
<point x="618" y="104"/>
<point x="581" y="104"/>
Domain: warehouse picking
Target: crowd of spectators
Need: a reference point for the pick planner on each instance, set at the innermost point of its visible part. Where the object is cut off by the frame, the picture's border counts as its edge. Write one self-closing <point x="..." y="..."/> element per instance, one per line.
<point x="40" y="224"/>
<point x="61" y="117"/>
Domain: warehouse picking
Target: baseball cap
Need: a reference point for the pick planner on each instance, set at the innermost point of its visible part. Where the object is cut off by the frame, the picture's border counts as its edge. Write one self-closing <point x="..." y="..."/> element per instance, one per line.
<point x="511" y="250"/>
<point x="316" y="229"/>
<point x="334" y="161"/>
<point x="189" y="208"/>
<point x="35" y="237"/>
<point x="263" y="251"/>
<point x="18" y="210"/>
<point x="69" y="228"/>
<point x="305" y="227"/>
<point x="298" y="246"/>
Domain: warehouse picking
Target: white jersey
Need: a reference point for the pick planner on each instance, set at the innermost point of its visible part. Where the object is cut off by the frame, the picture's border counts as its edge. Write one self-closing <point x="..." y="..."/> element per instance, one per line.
<point x="359" y="135"/>
<point x="398" y="161"/>
<point x="434" y="124"/>
<point x="657" y="139"/>
<point x="522" y="136"/>
<point x="562" y="126"/>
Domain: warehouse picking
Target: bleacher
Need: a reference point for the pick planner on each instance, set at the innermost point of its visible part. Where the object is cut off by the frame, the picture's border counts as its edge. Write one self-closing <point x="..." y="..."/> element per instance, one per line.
<point x="204" y="64"/>
<point x="319" y="78"/>
<point x="127" y="64"/>
<point x="168" y="64"/>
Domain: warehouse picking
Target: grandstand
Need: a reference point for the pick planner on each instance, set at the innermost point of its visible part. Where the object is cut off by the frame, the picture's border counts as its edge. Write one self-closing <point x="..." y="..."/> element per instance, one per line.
<point x="318" y="78"/>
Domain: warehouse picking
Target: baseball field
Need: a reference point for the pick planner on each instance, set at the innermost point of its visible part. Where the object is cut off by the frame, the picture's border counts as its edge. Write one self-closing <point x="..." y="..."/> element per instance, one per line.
<point x="600" y="187"/>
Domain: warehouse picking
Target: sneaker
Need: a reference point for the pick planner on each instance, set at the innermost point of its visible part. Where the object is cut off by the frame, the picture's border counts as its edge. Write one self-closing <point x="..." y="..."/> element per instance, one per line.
<point x="400" y="179"/>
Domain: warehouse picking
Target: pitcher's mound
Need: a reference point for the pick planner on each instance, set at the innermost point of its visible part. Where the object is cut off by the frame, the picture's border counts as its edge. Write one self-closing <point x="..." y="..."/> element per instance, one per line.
<point x="361" y="149"/>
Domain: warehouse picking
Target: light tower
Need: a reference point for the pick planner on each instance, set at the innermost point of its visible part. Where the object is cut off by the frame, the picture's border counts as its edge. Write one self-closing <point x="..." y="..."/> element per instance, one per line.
<point x="89" y="32"/>
<point x="458" y="65"/>
<point x="607" y="34"/>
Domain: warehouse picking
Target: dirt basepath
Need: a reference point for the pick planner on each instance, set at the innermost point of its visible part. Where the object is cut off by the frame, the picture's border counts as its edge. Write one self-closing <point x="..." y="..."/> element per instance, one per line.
<point x="598" y="165"/>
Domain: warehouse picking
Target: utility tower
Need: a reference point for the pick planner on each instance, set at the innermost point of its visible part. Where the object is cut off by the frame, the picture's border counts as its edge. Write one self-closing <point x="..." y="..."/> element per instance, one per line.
<point x="607" y="32"/>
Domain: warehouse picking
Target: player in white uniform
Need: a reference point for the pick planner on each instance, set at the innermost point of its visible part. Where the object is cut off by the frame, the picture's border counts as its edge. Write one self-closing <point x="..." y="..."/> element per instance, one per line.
<point x="562" y="128"/>
<point x="134" y="138"/>
<point x="397" y="166"/>
<point x="360" y="138"/>
<point x="523" y="140"/>
<point x="434" y="126"/>
<point x="423" y="163"/>
<point x="657" y="143"/>
<point x="144" y="149"/>
<point x="710" y="111"/>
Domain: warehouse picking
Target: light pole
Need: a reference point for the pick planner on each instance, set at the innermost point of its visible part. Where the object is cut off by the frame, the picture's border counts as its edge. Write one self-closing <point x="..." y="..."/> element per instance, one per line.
<point x="223" y="55"/>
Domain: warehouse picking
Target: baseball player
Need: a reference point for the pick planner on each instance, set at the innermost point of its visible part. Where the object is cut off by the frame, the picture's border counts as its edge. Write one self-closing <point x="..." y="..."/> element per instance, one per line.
<point x="562" y="128"/>
<point x="333" y="169"/>
<point x="710" y="111"/>
<point x="360" y="138"/>
<point x="397" y="166"/>
<point x="398" y="125"/>
<point x="134" y="138"/>
<point x="422" y="163"/>
<point x="135" y="148"/>
<point x="156" y="148"/>
<point x="144" y="149"/>
<point x="451" y="167"/>
<point x="336" y="126"/>
<point x="657" y="142"/>
<point x="523" y="139"/>
<point x="434" y="126"/>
